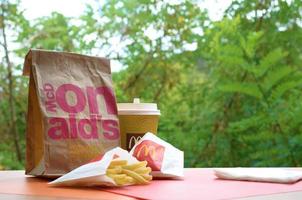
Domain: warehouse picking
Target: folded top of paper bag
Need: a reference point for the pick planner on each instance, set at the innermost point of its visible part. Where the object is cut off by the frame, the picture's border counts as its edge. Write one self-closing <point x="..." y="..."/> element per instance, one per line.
<point x="274" y="175"/>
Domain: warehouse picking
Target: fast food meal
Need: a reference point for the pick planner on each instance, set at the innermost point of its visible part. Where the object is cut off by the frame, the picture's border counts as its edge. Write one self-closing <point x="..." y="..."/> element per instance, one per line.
<point x="150" y="157"/>
<point x="73" y="118"/>
<point x="115" y="168"/>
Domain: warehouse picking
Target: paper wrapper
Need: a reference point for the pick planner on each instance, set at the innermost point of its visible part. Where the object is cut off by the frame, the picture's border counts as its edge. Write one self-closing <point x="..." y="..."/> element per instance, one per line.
<point x="273" y="175"/>
<point x="94" y="173"/>
<point x="164" y="159"/>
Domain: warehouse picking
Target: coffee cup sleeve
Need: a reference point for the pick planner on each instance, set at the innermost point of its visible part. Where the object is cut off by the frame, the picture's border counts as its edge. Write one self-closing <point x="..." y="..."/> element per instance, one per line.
<point x="165" y="160"/>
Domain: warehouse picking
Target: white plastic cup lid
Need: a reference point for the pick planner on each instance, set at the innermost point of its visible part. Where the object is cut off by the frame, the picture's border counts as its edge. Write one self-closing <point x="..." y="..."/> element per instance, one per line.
<point x="137" y="108"/>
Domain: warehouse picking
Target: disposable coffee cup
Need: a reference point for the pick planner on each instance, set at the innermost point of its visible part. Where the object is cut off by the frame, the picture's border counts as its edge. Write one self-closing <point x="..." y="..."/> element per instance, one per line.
<point x="135" y="120"/>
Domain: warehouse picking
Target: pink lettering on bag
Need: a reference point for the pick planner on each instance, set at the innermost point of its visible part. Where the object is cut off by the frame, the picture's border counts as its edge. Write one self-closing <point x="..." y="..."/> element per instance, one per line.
<point x="62" y="100"/>
<point x="91" y="124"/>
<point x="74" y="126"/>
<point x="111" y="130"/>
<point x="108" y="96"/>
<point x="50" y="102"/>
<point x="60" y="130"/>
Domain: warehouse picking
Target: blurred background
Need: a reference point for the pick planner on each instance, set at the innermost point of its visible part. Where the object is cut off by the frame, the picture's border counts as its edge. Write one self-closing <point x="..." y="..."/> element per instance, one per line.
<point x="226" y="74"/>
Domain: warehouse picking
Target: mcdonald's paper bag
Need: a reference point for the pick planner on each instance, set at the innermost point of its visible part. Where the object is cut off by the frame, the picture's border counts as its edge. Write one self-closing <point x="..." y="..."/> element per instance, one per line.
<point x="94" y="173"/>
<point x="164" y="159"/>
<point x="72" y="113"/>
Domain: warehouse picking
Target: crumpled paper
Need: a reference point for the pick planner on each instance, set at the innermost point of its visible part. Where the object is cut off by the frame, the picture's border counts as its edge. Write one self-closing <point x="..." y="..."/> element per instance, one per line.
<point x="273" y="175"/>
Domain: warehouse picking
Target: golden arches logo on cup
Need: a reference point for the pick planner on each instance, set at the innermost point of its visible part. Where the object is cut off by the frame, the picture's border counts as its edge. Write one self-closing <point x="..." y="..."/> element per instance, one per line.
<point x="133" y="140"/>
<point x="150" y="151"/>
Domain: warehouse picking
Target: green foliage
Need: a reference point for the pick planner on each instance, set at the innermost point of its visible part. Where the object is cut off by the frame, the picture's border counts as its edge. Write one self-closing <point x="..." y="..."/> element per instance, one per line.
<point x="234" y="99"/>
<point x="254" y="94"/>
<point x="243" y="88"/>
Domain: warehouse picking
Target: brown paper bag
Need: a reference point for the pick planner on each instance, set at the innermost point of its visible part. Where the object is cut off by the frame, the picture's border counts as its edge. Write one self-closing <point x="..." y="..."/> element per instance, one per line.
<point x="72" y="113"/>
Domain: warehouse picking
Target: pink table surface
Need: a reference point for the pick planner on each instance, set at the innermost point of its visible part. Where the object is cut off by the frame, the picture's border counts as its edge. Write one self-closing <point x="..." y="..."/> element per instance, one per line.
<point x="197" y="184"/>
<point x="16" y="185"/>
<point x="203" y="184"/>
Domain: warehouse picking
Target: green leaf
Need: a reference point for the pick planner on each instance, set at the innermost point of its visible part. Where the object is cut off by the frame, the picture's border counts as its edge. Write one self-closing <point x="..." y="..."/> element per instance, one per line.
<point x="250" y="44"/>
<point x="271" y="59"/>
<point x="284" y="87"/>
<point x="275" y="76"/>
<point x="231" y="56"/>
<point x="246" y="123"/>
<point x="242" y="88"/>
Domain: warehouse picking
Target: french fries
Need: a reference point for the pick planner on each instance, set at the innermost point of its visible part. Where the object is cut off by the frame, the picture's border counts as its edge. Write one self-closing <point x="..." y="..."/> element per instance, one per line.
<point x="124" y="174"/>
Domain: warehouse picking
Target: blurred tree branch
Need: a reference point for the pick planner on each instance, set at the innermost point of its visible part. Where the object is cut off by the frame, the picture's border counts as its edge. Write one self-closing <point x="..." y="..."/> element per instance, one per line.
<point x="12" y="112"/>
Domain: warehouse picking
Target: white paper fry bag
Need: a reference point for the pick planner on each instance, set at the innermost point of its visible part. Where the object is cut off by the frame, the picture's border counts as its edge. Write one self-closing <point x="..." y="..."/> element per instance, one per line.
<point x="164" y="159"/>
<point x="94" y="173"/>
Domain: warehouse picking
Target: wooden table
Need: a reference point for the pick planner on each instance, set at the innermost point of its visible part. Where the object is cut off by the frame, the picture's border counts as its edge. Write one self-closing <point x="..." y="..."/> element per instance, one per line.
<point x="15" y="185"/>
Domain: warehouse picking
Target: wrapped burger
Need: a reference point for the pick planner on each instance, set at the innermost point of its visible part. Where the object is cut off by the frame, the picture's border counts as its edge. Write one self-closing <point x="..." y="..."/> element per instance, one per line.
<point x="164" y="159"/>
